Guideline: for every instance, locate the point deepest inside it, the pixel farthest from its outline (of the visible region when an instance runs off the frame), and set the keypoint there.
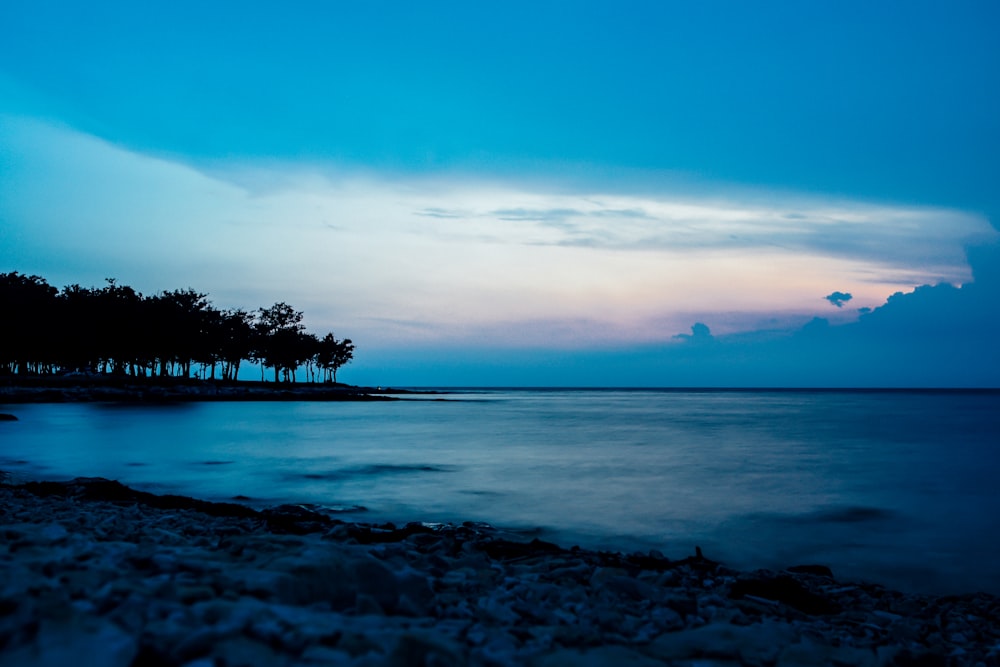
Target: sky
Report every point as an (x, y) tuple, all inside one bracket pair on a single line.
[(530, 194)]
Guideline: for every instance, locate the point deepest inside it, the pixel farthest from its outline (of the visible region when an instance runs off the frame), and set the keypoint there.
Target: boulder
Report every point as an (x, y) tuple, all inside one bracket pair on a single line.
[(818, 570), (785, 589)]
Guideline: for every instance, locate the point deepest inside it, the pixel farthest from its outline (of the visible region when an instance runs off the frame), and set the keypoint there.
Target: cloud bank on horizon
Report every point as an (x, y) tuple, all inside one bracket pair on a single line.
[(720, 209)]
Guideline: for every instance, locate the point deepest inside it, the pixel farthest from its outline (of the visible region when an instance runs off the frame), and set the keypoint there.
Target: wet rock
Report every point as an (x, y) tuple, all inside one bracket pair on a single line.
[(808, 653), (332, 583), (100, 489), (196, 644), (321, 656), (786, 590), (818, 570), (67, 641), (508, 550), (378, 582), (629, 587), (757, 644), (245, 652), (919, 658), (295, 519), (195, 593), (620, 656), (416, 650)]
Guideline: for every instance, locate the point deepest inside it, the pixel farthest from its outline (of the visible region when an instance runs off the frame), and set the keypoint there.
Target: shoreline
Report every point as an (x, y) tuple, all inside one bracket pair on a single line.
[(40, 389), (136, 578)]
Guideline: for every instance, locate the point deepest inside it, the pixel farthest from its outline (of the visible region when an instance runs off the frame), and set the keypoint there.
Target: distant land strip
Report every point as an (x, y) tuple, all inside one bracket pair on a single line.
[(55, 389)]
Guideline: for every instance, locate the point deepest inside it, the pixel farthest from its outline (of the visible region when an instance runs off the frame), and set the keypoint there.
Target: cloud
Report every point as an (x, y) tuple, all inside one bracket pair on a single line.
[(636, 213), (443, 213), (932, 336), (451, 260), (700, 333), (894, 238), (839, 298), (536, 215)]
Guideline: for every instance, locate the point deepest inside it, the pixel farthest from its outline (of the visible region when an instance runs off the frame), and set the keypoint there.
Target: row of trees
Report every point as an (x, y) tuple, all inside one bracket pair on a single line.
[(119, 331)]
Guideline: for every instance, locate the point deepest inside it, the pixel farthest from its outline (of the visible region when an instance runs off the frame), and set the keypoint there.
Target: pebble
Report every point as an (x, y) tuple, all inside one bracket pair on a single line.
[(91, 582)]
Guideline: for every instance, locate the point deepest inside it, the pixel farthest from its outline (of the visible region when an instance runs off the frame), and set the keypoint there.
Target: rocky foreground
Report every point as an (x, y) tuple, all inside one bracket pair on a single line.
[(95, 573)]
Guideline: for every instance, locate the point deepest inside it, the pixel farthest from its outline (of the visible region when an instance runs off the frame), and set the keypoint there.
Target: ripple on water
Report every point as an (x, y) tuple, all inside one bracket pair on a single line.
[(372, 470)]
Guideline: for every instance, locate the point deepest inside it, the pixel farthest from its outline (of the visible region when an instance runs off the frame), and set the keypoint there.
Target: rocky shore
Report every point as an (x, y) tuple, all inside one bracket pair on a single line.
[(95, 573)]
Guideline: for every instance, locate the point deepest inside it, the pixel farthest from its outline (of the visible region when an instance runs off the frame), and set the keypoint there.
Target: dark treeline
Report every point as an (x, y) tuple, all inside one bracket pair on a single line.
[(116, 330)]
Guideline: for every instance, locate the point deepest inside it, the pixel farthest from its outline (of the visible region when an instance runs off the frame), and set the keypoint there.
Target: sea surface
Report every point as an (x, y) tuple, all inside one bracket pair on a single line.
[(897, 488)]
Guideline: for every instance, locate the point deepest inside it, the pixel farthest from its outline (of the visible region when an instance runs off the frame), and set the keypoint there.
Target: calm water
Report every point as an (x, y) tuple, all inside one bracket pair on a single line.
[(897, 488)]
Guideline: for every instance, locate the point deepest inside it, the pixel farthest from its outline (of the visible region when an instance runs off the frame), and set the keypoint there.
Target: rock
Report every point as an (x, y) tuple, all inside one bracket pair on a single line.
[(331, 583), (196, 593), (602, 575), (666, 618), (494, 611), (415, 650), (808, 653), (366, 605), (245, 652), (415, 589), (6, 417), (784, 589), (818, 570), (508, 550), (197, 644), (295, 519), (146, 581), (378, 582), (321, 655), (757, 644), (98, 488), (81, 641), (620, 656), (629, 587), (200, 662), (919, 658)]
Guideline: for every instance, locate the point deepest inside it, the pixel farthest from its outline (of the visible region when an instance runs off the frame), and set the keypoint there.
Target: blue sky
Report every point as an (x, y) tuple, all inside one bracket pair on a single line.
[(532, 193)]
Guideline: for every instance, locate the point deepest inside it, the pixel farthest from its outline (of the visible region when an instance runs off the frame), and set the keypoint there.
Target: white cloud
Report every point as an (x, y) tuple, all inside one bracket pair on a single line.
[(397, 259)]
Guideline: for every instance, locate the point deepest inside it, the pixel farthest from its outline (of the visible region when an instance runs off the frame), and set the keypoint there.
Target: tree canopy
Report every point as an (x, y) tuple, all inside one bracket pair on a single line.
[(116, 330)]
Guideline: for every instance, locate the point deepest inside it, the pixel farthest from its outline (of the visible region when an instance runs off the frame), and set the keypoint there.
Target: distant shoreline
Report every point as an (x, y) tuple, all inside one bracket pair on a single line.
[(77, 389), (722, 390), (18, 389)]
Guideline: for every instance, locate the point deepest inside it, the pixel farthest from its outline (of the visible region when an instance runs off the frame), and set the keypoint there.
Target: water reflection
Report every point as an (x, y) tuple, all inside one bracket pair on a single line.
[(884, 485)]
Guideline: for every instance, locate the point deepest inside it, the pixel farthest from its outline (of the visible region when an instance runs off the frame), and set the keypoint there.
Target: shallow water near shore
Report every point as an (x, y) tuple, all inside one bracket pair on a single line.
[(899, 488)]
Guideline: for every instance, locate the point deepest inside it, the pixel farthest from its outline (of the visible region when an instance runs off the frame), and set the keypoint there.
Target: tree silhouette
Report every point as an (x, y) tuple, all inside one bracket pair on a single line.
[(27, 304), (332, 355), (190, 315), (78, 331), (119, 320), (278, 328), (236, 341), (116, 330)]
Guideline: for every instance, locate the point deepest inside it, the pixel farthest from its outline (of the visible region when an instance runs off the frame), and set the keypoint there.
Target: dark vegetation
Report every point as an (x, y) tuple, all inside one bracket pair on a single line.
[(116, 331)]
